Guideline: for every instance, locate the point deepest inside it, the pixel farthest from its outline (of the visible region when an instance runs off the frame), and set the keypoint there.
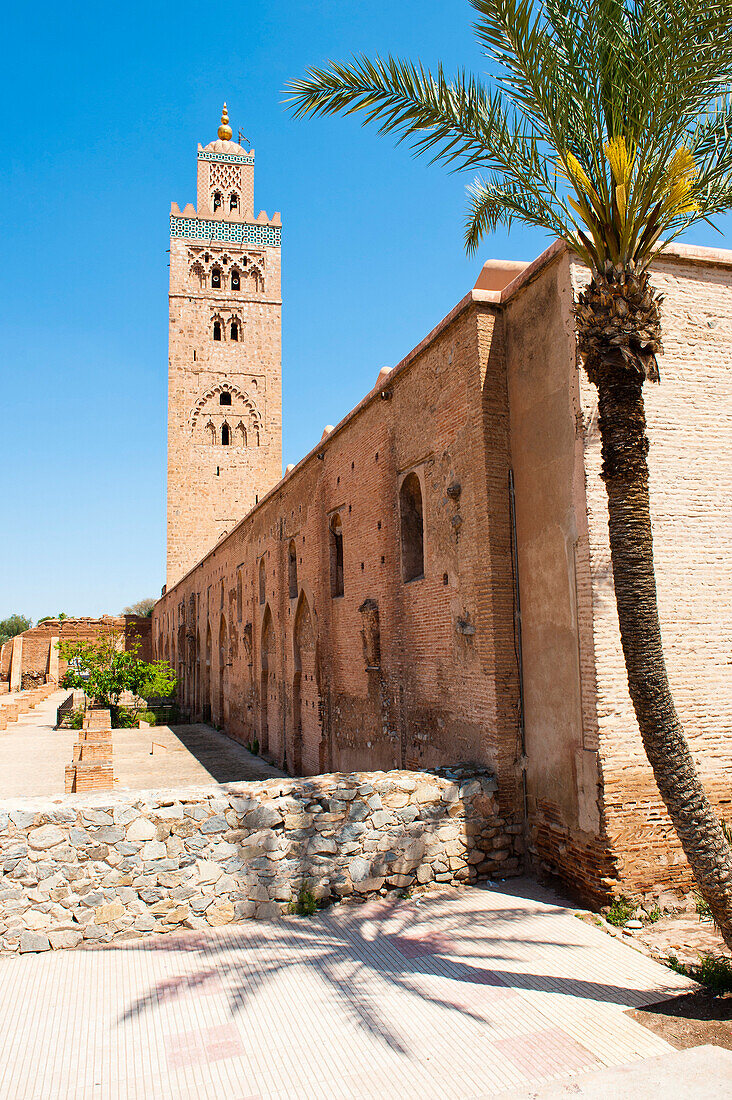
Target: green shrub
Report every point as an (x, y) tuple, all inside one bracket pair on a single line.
[(124, 719), (253, 747), (304, 903), (714, 972), (75, 719), (620, 912), (147, 716)]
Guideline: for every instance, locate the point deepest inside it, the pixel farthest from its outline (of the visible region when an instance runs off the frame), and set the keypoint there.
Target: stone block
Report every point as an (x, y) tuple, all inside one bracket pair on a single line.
[(64, 938), (141, 829), (34, 941)]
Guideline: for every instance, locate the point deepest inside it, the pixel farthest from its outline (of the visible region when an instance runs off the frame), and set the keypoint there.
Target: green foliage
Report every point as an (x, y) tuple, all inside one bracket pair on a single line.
[(46, 618), (702, 908), (142, 607), (620, 912), (253, 746), (103, 670), (712, 971), (608, 123), (304, 903), (14, 624), (653, 915)]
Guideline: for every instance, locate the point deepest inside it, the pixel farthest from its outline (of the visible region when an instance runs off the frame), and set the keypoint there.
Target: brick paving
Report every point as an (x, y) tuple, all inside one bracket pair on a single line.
[(461, 994)]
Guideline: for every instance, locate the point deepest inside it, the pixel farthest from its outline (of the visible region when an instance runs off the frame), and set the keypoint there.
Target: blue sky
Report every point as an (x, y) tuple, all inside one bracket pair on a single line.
[(104, 107)]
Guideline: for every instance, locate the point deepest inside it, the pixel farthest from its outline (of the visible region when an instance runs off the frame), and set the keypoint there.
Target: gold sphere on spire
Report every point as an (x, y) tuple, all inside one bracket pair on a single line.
[(225, 130)]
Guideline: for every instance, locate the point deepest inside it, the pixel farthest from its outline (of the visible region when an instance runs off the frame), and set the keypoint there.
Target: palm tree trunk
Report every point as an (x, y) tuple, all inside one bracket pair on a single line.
[(625, 473)]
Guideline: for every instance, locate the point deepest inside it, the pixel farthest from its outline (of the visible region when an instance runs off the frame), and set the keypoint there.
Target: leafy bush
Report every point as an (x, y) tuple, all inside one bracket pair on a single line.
[(103, 669), (124, 718), (253, 747), (304, 903), (620, 912), (75, 719), (712, 971), (14, 624)]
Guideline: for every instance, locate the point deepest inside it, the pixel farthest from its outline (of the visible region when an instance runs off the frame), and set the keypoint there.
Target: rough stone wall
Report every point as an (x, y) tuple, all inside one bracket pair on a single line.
[(211, 485), (690, 429), (393, 673), (151, 862)]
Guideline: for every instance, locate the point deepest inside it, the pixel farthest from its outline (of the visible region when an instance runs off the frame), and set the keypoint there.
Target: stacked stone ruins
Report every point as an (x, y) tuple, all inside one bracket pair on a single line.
[(431, 584)]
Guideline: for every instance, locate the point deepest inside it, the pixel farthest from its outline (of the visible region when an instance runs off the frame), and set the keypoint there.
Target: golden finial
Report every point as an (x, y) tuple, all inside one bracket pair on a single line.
[(225, 130)]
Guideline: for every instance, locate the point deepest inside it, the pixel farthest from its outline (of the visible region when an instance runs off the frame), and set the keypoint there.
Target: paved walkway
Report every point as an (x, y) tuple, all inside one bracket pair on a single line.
[(461, 995), (33, 756)]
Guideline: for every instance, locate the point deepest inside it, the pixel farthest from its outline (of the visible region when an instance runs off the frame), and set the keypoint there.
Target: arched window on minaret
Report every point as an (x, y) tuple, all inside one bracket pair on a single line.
[(241, 432), (235, 280), (234, 331), (217, 330), (216, 278), (225, 435), (233, 201), (225, 398), (217, 200)]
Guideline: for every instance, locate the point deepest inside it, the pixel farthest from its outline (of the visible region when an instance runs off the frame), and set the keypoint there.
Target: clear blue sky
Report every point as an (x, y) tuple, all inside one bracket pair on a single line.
[(103, 110)]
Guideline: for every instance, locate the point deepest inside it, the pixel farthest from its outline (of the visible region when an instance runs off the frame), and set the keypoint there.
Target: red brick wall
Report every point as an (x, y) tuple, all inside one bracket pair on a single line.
[(412, 674)]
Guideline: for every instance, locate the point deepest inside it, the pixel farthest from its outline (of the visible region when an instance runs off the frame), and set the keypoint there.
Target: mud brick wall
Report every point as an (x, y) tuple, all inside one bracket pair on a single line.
[(92, 868), (393, 673)]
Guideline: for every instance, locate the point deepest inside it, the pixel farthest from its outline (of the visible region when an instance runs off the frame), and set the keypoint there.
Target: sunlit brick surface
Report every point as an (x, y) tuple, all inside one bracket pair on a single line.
[(507, 990)]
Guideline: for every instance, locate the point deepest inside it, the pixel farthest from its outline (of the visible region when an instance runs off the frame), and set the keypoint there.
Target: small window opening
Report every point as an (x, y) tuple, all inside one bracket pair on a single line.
[(233, 201), (225, 435), (224, 398), (217, 330), (194, 355), (216, 279), (238, 596), (336, 556), (292, 570), (217, 200), (217, 471), (235, 281), (412, 524), (262, 582), (234, 331)]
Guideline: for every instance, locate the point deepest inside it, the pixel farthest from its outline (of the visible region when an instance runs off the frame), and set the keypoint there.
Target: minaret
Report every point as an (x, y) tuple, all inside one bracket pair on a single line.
[(225, 373)]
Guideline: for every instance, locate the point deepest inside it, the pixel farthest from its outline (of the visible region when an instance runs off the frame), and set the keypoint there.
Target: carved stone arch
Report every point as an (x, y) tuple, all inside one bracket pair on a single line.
[(253, 278), (197, 272), (308, 743), (267, 689), (240, 434), (213, 392)]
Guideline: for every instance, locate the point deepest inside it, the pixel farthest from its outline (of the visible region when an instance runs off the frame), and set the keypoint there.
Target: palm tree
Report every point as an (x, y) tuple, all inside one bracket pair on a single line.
[(608, 124)]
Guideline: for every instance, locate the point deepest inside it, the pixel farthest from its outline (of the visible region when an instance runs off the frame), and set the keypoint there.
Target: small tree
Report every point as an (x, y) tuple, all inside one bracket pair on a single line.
[(14, 624), (144, 608), (103, 670)]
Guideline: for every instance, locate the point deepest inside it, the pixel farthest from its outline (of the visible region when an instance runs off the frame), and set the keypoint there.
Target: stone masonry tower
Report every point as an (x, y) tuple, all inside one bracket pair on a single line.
[(225, 374)]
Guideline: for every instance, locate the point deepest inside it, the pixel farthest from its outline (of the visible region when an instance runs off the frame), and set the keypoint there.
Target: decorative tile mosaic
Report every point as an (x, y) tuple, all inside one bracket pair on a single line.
[(226, 158), (200, 229)]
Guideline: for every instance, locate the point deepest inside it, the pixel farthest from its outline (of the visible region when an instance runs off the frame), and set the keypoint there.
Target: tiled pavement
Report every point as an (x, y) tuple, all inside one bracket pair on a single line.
[(33, 755), (464, 994)]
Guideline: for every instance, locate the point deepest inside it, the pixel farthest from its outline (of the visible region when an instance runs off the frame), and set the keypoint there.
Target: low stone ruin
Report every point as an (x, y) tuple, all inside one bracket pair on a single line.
[(99, 867)]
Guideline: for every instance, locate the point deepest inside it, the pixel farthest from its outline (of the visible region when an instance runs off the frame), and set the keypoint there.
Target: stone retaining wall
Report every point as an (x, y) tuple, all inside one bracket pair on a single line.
[(97, 867)]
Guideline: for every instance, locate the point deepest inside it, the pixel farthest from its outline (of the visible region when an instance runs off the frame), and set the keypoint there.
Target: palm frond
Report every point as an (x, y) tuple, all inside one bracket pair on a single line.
[(575, 85)]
